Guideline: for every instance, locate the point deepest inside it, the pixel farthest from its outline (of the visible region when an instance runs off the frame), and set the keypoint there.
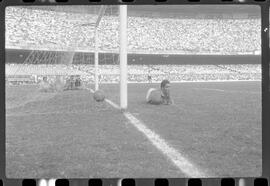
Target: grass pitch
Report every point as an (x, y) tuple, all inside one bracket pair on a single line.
[(216, 125)]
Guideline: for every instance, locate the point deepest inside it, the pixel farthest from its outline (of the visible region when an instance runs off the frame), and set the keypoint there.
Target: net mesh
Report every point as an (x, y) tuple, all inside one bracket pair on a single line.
[(71, 51)]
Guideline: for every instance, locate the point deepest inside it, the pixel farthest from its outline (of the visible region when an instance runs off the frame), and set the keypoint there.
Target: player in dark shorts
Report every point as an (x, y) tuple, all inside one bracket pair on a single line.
[(165, 92), (161, 96), (78, 82), (149, 79)]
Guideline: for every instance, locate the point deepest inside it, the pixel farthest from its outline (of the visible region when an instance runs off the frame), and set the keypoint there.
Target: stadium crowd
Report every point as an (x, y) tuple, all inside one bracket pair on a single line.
[(73, 31), (58, 30), (140, 73)]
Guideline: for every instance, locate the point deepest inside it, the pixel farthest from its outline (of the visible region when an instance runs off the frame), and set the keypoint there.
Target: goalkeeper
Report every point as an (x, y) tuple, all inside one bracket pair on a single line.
[(161, 96)]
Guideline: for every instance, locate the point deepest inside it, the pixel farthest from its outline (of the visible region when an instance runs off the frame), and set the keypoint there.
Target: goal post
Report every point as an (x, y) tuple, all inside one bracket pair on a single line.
[(122, 52), (123, 56), (100, 14), (96, 60)]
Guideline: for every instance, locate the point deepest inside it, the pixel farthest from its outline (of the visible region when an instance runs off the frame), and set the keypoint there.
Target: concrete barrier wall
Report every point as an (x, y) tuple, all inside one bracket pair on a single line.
[(19, 56)]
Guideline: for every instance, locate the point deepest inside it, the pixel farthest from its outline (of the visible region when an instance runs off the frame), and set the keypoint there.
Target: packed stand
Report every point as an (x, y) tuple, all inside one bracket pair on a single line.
[(141, 73), (43, 29)]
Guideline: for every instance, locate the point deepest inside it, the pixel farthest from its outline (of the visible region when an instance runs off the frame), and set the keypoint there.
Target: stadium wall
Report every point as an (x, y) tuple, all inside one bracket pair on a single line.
[(19, 56)]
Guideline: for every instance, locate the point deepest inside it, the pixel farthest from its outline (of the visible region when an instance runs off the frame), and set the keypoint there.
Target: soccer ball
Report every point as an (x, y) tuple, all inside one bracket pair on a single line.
[(99, 96), (154, 96)]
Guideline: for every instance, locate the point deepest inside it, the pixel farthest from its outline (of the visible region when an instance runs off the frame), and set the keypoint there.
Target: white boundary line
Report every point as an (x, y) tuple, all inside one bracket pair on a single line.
[(158, 82), (176, 157), (108, 101), (182, 163), (228, 91), (213, 89), (112, 104)]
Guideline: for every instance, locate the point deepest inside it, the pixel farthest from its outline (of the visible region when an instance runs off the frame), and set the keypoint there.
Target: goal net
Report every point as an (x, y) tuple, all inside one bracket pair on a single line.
[(62, 42)]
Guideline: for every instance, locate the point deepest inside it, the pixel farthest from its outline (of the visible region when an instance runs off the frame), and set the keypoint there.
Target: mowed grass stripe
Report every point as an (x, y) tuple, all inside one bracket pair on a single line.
[(229, 91), (176, 157), (218, 131), (89, 144)]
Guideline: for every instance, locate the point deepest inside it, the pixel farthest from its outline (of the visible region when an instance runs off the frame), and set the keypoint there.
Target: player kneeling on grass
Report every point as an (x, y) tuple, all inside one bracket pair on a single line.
[(70, 84), (59, 84), (45, 86), (161, 96)]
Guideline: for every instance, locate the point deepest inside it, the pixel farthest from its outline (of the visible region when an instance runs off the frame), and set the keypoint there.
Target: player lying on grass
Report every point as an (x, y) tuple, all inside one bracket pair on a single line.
[(161, 96)]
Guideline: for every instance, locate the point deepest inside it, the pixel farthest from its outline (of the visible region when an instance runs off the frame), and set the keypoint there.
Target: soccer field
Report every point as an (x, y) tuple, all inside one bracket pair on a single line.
[(216, 126)]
